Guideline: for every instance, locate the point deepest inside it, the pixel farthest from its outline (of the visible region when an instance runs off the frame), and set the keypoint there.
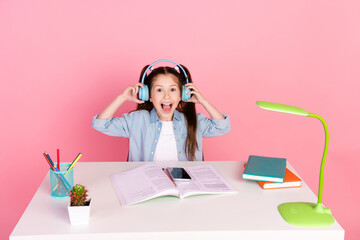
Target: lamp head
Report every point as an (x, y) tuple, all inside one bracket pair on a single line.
[(277, 107)]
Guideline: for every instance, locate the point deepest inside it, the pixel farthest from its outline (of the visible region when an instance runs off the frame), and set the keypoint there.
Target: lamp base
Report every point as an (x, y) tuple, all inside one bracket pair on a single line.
[(306, 214)]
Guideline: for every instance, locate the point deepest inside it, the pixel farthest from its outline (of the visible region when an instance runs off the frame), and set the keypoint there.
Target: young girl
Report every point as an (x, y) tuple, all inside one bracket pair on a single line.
[(164, 128)]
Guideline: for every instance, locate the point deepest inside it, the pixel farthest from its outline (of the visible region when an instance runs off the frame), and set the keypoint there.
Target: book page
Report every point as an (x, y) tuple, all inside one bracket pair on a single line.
[(204, 180), (141, 184)]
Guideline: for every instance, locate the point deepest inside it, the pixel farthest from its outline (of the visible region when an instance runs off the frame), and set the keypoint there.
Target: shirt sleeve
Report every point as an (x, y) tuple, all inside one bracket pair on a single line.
[(213, 127), (116, 126)]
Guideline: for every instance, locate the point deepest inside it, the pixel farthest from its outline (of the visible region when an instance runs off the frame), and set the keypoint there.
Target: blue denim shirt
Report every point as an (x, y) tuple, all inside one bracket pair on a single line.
[(143, 130)]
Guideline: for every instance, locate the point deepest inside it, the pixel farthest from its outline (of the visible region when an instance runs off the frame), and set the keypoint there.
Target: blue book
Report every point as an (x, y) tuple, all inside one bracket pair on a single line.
[(268, 169)]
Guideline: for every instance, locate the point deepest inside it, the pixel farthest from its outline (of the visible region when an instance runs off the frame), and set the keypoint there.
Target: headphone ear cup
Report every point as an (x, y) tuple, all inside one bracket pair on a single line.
[(184, 96), (144, 93)]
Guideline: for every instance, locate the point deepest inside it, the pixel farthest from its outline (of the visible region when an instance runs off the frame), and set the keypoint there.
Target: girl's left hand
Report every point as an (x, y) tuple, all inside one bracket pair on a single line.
[(196, 97)]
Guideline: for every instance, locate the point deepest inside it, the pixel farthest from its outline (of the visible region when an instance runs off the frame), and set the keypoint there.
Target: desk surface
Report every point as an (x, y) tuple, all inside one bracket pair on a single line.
[(250, 214)]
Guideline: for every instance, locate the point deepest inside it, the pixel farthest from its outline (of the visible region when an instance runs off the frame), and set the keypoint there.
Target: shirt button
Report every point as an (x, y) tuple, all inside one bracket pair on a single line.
[(152, 152), (159, 129), (155, 140)]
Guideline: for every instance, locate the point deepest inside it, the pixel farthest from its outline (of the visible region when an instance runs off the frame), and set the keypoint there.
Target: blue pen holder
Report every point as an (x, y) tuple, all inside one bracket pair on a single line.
[(61, 182)]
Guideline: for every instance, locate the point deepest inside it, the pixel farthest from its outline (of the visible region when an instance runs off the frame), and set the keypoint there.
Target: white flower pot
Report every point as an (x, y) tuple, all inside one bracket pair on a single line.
[(79, 214)]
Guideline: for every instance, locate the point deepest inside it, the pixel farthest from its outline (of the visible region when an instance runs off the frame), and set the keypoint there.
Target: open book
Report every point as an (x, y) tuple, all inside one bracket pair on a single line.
[(150, 181)]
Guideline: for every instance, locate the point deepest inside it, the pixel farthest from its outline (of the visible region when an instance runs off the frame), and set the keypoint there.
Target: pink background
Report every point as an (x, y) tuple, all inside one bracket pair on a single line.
[(62, 62)]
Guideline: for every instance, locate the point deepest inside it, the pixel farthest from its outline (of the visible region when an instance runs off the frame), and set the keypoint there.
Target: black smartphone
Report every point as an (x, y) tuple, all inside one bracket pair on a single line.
[(178, 174)]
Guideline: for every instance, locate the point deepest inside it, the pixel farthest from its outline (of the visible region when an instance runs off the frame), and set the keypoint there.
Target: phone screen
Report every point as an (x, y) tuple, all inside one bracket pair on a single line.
[(179, 174)]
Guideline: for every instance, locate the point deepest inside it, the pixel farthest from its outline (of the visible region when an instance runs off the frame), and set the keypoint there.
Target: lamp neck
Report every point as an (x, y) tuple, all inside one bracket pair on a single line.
[(321, 178)]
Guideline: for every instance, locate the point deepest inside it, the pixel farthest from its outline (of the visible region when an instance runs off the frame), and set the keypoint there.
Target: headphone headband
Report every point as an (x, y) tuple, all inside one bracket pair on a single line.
[(144, 92), (164, 60)]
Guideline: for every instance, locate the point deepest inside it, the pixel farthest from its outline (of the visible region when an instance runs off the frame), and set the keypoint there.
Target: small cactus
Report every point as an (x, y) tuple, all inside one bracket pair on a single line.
[(78, 195)]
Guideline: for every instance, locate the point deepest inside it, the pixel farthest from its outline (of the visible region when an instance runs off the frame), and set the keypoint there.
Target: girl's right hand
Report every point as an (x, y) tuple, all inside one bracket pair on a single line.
[(131, 93)]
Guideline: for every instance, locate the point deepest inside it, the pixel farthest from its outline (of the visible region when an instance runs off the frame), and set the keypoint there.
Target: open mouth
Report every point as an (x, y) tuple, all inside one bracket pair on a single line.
[(166, 107)]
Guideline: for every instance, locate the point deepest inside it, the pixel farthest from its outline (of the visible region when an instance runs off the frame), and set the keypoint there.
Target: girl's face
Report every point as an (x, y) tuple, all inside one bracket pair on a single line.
[(165, 95)]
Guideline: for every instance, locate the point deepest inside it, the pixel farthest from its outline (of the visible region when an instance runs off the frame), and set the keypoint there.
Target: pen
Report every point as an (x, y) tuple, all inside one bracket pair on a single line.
[(73, 163)]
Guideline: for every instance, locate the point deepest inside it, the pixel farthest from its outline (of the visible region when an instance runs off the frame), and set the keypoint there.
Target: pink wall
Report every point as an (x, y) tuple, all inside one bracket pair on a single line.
[(61, 62)]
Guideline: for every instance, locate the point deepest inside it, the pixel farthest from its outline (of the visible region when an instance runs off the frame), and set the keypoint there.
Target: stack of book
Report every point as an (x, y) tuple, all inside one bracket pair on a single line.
[(270, 173)]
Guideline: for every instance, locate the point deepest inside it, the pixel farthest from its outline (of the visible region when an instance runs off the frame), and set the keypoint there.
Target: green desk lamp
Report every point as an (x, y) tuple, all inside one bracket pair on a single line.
[(304, 214)]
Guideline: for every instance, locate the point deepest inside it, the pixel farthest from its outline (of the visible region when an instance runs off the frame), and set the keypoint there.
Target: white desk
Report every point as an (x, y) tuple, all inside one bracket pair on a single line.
[(250, 214)]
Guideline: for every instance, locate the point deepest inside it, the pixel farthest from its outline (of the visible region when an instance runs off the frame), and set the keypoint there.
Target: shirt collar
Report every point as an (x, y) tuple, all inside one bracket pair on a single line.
[(154, 117)]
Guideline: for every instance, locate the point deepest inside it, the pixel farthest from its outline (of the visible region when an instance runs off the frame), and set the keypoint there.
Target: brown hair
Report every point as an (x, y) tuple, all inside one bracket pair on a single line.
[(187, 108)]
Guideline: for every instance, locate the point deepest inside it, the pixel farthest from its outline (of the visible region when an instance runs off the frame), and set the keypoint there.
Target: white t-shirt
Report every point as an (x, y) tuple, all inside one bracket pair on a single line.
[(166, 149)]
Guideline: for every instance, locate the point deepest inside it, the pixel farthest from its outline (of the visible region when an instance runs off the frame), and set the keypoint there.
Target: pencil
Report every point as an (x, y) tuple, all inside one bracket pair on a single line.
[(58, 164), (73, 163), (58, 158), (48, 156), (168, 174), (48, 161)]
